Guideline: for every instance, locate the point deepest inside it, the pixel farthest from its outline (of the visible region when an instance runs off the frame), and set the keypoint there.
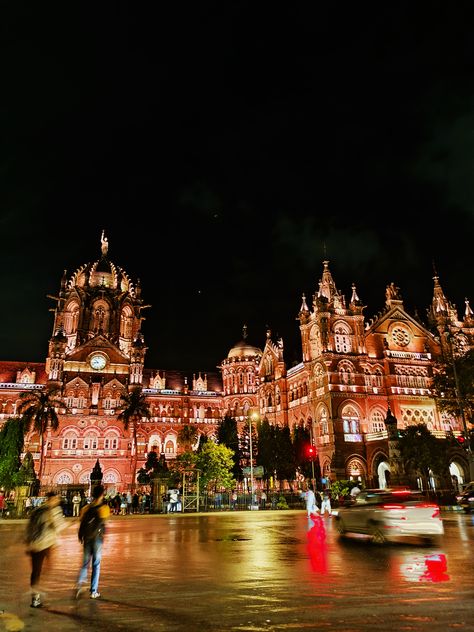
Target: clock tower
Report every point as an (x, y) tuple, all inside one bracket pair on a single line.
[(97, 322)]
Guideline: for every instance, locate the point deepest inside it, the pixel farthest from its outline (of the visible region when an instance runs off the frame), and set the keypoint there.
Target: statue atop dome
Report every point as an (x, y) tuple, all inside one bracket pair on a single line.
[(104, 244)]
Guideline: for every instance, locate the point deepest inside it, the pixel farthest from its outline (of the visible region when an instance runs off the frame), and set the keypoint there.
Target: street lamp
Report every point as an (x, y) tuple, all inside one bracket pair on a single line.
[(252, 416)]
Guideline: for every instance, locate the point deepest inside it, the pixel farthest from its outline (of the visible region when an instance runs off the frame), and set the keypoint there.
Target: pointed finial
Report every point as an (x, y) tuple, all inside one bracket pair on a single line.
[(244, 332), (304, 307), (104, 244), (435, 272), (468, 313), (354, 298)]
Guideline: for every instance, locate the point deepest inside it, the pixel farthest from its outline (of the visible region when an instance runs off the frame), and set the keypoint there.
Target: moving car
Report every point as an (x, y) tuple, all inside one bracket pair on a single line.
[(390, 515), (466, 500)]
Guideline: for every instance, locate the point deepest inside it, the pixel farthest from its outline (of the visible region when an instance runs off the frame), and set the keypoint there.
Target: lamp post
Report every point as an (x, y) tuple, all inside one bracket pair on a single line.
[(252, 416)]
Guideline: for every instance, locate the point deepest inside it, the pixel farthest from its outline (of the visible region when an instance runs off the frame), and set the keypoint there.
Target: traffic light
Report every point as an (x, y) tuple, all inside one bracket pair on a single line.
[(311, 452)]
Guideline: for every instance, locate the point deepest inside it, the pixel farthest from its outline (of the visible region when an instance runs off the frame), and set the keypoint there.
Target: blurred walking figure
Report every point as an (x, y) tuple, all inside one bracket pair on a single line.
[(44, 524), (326, 502), (310, 499), (91, 534)]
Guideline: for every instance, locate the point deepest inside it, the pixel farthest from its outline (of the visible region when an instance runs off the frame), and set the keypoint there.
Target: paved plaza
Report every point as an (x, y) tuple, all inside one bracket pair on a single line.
[(244, 571)]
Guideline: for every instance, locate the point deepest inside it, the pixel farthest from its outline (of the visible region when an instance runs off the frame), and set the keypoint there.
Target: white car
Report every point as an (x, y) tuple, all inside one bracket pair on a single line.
[(390, 514)]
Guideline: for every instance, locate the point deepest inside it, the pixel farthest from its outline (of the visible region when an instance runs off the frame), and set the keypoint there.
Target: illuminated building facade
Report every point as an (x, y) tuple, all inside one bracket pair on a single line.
[(351, 373)]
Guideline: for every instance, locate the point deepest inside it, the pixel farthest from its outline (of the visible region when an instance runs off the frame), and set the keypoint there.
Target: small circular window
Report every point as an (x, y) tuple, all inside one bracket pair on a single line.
[(400, 336)]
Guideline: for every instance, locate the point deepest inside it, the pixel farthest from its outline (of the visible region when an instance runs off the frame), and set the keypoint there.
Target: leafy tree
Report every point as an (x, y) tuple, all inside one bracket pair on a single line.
[(228, 435), (455, 399), (184, 462), (215, 463), (133, 408), (38, 409), (12, 437), (421, 453), (153, 466)]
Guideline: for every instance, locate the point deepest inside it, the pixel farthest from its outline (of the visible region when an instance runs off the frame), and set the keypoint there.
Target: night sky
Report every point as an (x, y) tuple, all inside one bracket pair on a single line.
[(227, 149)]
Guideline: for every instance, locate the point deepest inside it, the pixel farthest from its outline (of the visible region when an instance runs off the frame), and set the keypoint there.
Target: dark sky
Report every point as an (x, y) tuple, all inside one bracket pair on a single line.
[(225, 148)]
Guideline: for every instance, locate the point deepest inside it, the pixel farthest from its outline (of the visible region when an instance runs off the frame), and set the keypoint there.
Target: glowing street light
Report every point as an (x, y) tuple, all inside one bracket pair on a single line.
[(252, 417)]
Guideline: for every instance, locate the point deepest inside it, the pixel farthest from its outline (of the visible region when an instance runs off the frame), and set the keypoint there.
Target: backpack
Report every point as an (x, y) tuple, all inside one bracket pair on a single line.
[(36, 525), (92, 525)]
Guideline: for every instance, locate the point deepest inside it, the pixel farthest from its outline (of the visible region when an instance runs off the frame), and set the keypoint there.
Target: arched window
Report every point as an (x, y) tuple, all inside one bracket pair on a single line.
[(126, 322), (90, 441), (346, 373), (70, 441), (342, 338), (111, 442), (350, 420), (323, 422), (377, 423), (169, 447)]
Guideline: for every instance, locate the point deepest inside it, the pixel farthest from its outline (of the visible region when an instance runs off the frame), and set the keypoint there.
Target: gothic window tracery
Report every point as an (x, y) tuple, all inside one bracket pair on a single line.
[(100, 317), (70, 441), (377, 421), (90, 441), (350, 420), (342, 338), (71, 317), (346, 373)]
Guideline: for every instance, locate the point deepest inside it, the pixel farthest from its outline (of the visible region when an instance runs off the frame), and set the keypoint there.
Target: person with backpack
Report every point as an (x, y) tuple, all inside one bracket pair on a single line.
[(44, 524), (91, 533)]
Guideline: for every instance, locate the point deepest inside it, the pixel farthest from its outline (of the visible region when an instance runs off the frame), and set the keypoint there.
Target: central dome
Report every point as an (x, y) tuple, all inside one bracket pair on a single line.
[(243, 350)]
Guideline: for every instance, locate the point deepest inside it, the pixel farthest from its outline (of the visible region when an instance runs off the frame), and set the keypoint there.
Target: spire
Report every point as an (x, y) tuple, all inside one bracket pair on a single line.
[(354, 297), (439, 303), (104, 244), (304, 306), (468, 314), (327, 287)]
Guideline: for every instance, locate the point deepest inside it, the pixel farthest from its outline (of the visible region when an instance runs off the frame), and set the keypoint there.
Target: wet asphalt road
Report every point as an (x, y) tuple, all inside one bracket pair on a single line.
[(245, 571)]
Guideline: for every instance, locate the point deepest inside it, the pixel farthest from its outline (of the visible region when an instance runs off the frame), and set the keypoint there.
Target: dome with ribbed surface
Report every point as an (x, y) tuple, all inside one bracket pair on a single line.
[(243, 349)]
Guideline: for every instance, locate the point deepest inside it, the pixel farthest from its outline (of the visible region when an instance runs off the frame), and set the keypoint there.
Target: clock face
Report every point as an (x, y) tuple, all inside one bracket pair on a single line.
[(97, 361)]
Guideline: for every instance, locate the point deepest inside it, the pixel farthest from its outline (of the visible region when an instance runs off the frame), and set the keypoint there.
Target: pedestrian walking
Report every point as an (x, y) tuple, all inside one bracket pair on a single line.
[(44, 524), (91, 534), (263, 499), (310, 500), (326, 502), (76, 504)]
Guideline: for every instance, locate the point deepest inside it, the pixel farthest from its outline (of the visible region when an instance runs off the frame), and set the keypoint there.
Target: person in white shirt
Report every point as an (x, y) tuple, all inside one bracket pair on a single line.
[(310, 499)]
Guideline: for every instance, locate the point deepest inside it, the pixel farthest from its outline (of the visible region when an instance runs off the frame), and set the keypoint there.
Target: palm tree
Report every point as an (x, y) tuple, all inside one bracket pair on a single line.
[(134, 408), (38, 410)]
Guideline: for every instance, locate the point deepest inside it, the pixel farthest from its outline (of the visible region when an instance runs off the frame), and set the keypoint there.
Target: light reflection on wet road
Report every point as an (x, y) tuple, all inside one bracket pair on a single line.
[(273, 570)]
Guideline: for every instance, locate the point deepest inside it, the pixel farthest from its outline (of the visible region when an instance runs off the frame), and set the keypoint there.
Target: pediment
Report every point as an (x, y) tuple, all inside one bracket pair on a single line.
[(385, 321), (98, 343), (76, 382)]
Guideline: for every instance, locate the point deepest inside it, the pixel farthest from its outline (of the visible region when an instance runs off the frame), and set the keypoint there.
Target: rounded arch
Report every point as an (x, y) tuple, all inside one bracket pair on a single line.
[(111, 476), (376, 419), (85, 477), (63, 477), (458, 474), (356, 468), (71, 316), (154, 441)]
